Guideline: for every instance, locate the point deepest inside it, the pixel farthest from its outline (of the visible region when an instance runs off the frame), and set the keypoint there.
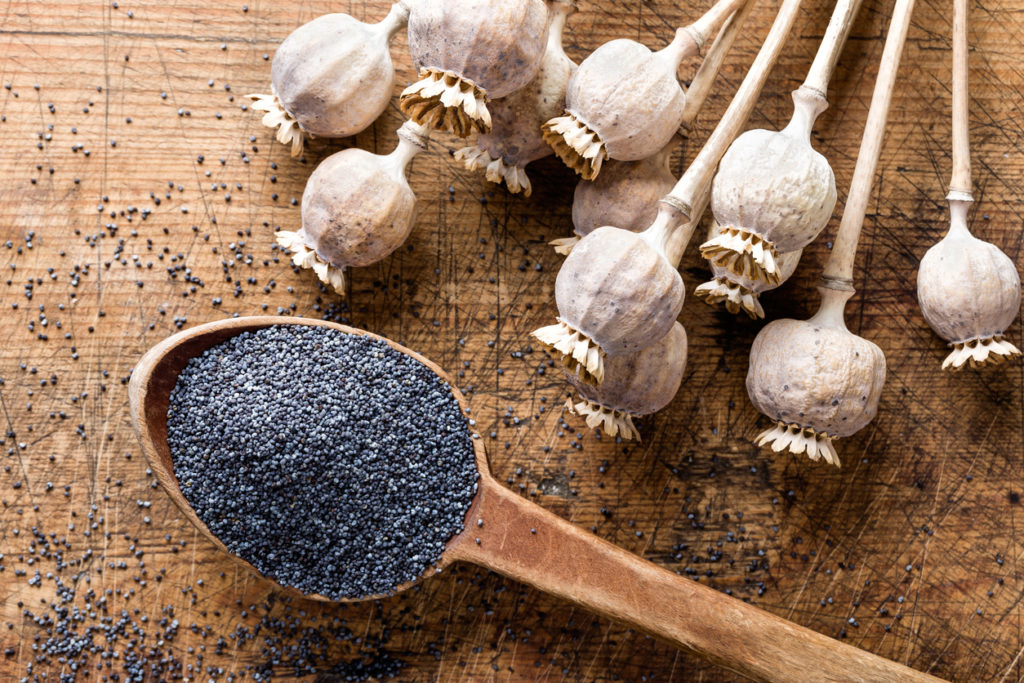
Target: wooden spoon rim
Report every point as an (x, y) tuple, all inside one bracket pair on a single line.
[(159, 368)]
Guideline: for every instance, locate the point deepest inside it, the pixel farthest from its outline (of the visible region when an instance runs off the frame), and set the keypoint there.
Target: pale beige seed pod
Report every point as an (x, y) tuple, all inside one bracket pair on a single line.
[(772, 194), (625, 101), (515, 138), (331, 77), (356, 209), (969, 292), (816, 379), (601, 315), (468, 52), (635, 384), (739, 292), (625, 195)]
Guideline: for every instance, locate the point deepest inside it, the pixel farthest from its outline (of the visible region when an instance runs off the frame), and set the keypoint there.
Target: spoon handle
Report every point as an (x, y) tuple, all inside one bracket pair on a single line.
[(524, 542)]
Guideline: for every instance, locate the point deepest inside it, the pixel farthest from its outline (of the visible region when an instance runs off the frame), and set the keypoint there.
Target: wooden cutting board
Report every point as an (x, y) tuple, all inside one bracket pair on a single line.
[(139, 194)]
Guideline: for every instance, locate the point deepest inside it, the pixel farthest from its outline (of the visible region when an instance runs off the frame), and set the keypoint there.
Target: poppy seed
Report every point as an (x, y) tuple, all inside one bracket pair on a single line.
[(330, 461)]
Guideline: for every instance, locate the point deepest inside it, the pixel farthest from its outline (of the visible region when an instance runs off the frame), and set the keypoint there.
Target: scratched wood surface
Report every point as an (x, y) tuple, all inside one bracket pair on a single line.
[(139, 195)]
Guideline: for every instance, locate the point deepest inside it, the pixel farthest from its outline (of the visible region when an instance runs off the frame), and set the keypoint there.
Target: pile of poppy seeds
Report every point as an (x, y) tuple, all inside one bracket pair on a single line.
[(332, 462)]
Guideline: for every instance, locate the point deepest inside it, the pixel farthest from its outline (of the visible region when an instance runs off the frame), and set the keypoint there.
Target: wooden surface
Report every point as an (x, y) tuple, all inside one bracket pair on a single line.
[(909, 551)]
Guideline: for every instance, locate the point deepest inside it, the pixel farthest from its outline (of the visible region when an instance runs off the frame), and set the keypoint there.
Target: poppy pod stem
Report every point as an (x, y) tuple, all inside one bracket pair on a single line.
[(412, 139), (703, 27), (706, 74), (824, 64), (839, 267), (960, 187), (397, 18)]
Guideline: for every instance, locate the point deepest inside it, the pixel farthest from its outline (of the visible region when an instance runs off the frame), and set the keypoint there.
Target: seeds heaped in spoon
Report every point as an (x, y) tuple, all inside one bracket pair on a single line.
[(356, 209), (508, 534), (619, 291), (331, 77), (468, 52), (515, 138), (968, 289), (815, 378), (773, 192), (625, 101)]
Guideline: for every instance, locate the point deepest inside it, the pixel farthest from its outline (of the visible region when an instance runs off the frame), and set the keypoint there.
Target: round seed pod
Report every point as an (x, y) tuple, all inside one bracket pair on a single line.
[(816, 379), (467, 52), (356, 209), (515, 138), (969, 292), (624, 102), (625, 195), (635, 384), (739, 292), (773, 193), (331, 77), (616, 294)]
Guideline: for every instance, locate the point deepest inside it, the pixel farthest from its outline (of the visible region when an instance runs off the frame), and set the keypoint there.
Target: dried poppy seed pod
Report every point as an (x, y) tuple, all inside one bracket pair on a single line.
[(625, 195), (969, 292), (616, 294), (356, 209), (515, 138), (739, 292), (816, 379), (624, 102), (635, 384), (773, 193), (331, 77), (469, 51)]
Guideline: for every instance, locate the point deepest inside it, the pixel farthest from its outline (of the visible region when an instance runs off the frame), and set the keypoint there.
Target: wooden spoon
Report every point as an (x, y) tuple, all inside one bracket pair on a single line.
[(527, 543)]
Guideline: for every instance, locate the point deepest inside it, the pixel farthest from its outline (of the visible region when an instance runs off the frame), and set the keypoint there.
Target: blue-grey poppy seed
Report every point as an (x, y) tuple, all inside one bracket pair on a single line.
[(331, 462)]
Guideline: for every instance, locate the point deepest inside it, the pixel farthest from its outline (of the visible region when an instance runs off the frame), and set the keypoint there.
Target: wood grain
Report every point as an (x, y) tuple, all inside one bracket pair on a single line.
[(909, 551)]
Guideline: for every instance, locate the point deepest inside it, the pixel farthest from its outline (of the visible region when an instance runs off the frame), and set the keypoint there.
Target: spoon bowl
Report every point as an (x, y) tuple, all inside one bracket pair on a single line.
[(525, 542), (149, 390)]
